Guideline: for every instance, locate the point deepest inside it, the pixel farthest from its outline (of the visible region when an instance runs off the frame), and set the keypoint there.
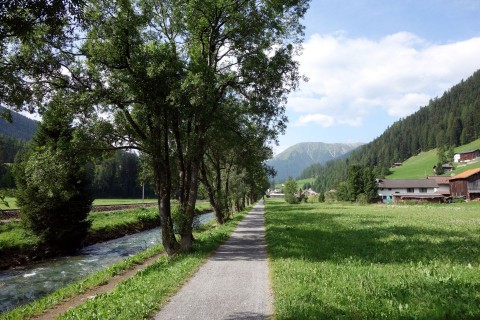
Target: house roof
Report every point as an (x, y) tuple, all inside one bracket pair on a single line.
[(419, 196), (440, 179), (469, 151), (407, 183), (466, 174)]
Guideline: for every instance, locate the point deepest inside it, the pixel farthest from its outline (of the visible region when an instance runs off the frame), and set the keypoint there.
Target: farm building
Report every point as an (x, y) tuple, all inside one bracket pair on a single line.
[(443, 185), (398, 190), (466, 184), (466, 155)]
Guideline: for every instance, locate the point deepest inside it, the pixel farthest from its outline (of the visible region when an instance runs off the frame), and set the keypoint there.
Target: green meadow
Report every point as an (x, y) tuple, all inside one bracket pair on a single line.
[(421, 165), (343, 261)]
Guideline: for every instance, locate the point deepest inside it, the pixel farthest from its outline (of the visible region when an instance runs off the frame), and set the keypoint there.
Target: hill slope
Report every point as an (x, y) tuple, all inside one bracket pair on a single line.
[(21, 127), (419, 166), (295, 159), (451, 120)]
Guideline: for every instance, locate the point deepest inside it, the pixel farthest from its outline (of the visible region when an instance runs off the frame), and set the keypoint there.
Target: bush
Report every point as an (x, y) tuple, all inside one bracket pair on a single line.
[(362, 198)]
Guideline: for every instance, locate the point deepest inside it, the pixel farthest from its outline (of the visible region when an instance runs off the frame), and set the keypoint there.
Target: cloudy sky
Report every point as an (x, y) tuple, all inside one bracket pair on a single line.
[(372, 62)]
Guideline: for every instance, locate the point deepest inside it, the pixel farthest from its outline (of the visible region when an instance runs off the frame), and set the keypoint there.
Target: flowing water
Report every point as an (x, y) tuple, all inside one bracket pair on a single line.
[(23, 285)]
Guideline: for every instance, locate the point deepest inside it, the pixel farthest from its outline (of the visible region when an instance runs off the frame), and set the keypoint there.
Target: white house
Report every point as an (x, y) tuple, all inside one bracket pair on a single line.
[(397, 190)]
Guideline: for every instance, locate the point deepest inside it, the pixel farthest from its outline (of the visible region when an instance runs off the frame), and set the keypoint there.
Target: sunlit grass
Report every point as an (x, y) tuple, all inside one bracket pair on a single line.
[(11, 204), (374, 262)]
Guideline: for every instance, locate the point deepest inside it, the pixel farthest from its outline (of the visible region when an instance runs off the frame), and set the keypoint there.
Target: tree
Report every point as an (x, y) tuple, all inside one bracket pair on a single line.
[(53, 183), (290, 190), (165, 74)]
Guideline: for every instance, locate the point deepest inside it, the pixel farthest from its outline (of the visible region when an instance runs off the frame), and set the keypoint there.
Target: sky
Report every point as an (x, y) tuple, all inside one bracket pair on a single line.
[(370, 63)]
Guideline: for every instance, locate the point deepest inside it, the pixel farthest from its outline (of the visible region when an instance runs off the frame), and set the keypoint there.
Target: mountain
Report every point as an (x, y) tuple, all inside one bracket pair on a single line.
[(21, 127), (292, 161), (447, 121)]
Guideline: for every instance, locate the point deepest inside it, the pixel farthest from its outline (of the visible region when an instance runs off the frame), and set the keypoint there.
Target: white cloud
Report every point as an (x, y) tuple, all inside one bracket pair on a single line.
[(321, 119), (351, 78)]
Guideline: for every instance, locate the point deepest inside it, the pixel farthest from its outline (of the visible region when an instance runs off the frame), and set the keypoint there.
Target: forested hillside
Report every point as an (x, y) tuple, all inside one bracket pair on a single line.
[(450, 120), (21, 127)]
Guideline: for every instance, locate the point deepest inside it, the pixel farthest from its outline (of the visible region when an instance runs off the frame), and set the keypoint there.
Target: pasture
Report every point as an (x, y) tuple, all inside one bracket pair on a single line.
[(344, 261)]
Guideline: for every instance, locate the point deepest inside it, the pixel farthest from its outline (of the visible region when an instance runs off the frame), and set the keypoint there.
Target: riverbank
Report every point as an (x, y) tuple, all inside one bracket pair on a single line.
[(19, 247)]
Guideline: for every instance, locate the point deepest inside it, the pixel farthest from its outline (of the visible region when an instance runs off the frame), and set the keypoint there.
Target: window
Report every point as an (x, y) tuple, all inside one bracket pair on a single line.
[(410, 190), (389, 189), (423, 190)]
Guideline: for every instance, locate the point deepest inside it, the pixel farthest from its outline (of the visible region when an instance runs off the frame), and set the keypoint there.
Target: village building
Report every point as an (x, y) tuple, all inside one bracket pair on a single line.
[(443, 185), (466, 184), (310, 192), (399, 190), (466, 156)]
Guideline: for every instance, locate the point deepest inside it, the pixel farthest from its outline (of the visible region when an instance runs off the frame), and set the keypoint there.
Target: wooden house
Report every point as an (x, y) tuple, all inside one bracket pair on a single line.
[(466, 155), (466, 184)]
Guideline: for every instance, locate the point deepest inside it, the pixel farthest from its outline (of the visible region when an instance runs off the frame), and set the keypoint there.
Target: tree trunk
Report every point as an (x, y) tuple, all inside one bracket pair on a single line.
[(164, 195), (186, 229)]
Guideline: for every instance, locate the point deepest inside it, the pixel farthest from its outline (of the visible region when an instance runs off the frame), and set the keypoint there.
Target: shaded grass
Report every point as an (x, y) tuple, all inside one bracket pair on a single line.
[(374, 262)]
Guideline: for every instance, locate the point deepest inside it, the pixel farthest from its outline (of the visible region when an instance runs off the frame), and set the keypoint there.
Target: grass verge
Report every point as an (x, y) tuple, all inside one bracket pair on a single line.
[(374, 262), (136, 297)]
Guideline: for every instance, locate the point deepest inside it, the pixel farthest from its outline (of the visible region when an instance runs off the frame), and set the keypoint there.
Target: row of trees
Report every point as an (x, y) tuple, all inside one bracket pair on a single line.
[(198, 88), (117, 175), (446, 122)]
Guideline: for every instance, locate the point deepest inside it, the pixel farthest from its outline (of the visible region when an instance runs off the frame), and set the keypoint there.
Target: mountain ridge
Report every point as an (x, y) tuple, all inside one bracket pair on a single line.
[(294, 159), (21, 127)]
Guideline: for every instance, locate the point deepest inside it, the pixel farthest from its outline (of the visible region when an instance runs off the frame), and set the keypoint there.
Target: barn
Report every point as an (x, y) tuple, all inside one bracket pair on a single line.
[(466, 184)]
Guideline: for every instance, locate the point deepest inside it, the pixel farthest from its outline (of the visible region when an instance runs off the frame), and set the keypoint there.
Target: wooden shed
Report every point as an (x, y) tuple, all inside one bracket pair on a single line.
[(466, 184), (467, 155)]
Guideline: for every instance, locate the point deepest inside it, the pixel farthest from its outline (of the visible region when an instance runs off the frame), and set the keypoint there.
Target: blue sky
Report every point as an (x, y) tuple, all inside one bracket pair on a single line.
[(372, 62)]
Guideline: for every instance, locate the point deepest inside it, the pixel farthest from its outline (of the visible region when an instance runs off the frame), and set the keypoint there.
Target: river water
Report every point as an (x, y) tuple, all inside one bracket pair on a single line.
[(22, 285)]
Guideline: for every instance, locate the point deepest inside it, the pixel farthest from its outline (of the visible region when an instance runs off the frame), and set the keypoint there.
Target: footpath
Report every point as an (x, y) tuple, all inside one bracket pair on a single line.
[(233, 283)]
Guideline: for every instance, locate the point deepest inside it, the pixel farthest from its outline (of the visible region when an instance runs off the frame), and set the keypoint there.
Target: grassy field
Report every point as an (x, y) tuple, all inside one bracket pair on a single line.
[(11, 204), (374, 262), (421, 165)]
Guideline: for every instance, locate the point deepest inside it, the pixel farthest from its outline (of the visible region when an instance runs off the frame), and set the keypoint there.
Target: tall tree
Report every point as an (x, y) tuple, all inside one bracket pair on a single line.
[(53, 183)]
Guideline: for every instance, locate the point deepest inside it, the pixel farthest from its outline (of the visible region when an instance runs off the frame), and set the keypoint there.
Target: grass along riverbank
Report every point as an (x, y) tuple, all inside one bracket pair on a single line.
[(374, 262), (141, 295)]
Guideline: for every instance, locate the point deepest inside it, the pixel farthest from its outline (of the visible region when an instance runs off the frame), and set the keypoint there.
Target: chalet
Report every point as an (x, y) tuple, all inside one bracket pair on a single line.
[(466, 184), (466, 155), (399, 190)]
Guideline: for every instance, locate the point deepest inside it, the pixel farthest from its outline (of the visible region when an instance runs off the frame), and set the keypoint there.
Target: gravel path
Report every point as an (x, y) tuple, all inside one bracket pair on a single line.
[(234, 283)]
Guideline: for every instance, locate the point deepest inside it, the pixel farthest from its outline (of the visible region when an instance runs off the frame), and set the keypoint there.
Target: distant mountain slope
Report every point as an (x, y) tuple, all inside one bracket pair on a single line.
[(293, 160), (21, 127)]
